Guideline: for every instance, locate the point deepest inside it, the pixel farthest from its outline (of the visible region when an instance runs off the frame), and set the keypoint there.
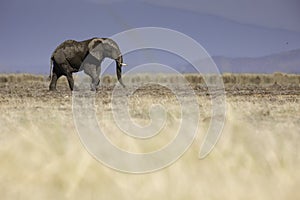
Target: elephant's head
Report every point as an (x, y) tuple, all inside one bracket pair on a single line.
[(105, 47)]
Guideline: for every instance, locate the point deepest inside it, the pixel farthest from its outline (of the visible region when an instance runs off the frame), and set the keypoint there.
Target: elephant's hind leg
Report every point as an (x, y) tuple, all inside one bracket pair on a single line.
[(55, 77)]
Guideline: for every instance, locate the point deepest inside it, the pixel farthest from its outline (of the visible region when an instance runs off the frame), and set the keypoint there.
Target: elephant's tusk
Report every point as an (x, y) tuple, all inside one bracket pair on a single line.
[(123, 64)]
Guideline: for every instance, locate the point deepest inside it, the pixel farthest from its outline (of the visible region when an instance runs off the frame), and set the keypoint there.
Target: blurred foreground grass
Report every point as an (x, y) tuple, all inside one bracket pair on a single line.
[(41, 156)]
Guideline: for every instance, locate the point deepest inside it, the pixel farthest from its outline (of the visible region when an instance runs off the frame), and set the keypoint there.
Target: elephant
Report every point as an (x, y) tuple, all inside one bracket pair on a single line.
[(73, 56)]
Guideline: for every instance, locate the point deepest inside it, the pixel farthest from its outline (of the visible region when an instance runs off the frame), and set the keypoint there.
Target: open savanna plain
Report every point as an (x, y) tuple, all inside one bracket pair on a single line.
[(257, 156)]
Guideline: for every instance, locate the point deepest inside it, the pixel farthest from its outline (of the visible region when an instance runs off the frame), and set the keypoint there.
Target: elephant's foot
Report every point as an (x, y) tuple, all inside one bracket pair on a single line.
[(93, 87), (52, 89)]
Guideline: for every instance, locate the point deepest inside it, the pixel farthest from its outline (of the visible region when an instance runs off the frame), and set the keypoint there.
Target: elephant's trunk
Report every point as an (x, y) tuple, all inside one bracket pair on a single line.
[(51, 67), (119, 64)]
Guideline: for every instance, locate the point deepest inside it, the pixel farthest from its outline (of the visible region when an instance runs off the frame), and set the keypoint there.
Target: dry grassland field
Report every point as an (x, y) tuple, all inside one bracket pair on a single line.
[(257, 156)]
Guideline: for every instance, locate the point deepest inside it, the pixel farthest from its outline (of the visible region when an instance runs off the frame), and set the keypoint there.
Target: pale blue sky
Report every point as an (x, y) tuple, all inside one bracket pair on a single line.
[(31, 29)]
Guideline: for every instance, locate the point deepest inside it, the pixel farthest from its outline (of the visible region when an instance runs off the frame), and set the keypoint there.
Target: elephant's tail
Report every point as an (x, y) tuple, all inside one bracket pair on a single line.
[(51, 67)]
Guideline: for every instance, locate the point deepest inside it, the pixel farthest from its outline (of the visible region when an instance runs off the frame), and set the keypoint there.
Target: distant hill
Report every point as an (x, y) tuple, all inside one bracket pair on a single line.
[(287, 62)]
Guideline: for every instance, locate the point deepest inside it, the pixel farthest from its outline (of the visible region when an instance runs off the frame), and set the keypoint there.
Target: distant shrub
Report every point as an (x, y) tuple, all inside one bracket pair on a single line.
[(20, 77), (255, 79), (193, 79), (229, 78), (3, 79)]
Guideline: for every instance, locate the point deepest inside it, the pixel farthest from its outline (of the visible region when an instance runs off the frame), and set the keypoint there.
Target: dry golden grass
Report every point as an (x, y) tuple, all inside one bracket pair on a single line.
[(257, 157)]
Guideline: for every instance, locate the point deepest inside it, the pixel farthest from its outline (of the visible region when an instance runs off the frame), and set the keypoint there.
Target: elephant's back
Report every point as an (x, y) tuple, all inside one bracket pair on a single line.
[(70, 49), (68, 44)]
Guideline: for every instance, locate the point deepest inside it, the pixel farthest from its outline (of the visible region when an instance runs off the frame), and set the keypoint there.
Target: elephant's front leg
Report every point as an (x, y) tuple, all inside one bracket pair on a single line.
[(91, 70), (70, 81), (98, 71)]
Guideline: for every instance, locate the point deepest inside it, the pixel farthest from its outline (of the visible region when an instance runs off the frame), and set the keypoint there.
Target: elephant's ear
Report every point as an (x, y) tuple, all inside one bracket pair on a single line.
[(96, 48)]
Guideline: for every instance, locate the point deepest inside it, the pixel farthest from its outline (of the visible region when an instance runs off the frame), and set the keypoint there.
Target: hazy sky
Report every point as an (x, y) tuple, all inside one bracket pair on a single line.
[(31, 29)]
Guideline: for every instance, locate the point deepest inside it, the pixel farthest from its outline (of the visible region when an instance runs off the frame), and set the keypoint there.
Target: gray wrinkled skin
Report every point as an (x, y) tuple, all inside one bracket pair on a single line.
[(73, 56)]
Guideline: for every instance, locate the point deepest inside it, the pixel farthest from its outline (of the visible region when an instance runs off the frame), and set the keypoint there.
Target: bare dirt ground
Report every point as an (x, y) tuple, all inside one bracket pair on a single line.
[(257, 157)]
